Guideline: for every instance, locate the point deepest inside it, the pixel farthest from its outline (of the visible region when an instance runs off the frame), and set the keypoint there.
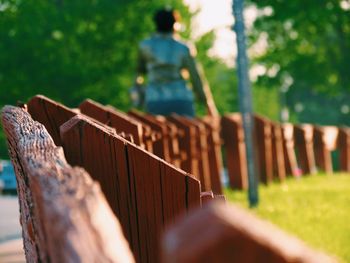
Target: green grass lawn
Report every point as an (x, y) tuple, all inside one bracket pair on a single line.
[(314, 208)]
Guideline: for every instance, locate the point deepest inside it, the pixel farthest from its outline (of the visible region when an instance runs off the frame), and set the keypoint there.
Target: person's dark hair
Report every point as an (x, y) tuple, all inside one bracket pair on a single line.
[(165, 20)]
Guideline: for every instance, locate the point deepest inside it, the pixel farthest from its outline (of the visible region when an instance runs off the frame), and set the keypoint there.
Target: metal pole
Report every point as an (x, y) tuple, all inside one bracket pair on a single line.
[(245, 101)]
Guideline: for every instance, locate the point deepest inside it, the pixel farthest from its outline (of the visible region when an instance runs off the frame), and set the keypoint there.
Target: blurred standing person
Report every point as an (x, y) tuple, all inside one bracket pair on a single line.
[(163, 57)]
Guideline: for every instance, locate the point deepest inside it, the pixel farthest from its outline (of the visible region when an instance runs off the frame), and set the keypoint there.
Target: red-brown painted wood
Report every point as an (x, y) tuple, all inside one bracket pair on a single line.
[(289, 150), (51, 114), (214, 153), (233, 136), (278, 162), (116, 119), (344, 148), (161, 144), (146, 192), (303, 136), (263, 133), (325, 141), (187, 146)]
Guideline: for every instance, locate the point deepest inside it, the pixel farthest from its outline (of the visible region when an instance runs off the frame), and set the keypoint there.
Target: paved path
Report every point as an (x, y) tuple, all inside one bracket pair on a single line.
[(11, 245)]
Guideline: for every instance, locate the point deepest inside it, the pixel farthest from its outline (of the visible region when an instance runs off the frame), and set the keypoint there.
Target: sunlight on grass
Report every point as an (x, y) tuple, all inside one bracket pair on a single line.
[(313, 208)]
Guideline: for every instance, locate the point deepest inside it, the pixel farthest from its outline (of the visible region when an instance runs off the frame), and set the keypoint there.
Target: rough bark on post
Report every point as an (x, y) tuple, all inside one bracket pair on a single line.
[(64, 215)]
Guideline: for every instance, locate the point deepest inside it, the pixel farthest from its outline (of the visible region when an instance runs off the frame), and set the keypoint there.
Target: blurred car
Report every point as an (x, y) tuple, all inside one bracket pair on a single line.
[(8, 182)]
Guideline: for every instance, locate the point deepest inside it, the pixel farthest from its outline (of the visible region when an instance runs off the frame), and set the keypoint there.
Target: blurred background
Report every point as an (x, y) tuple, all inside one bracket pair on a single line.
[(72, 50)]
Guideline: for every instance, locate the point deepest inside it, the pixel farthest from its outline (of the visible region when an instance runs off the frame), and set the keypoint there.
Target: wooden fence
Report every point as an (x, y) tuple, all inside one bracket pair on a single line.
[(145, 192), (194, 145), (283, 149), (63, 213)]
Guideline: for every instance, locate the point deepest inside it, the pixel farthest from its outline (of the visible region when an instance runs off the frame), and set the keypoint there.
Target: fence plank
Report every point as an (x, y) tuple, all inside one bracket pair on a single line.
[(187, 146), (303, 135), (325, 141), (116, 119), (102, 154), (51, 114), (263, 133), (344, 148), (161, 144), (214, 153), (289, 150), (234, 145), (278, 162), (61, 207), (154, 191)]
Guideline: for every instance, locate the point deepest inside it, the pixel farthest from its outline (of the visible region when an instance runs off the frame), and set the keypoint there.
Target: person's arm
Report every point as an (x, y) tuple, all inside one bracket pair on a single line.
[(200, 84)]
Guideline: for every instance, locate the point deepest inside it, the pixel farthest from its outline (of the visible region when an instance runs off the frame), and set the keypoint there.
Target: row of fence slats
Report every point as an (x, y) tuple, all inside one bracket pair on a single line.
[(202, 151), (119, 121), (165, 145), (143, 191), (51, 114), (61, 207), (188, 143), (199, 150), (184, 142), (187, 146), (280, 147), (180, 141), (161, 144), (148, 136)]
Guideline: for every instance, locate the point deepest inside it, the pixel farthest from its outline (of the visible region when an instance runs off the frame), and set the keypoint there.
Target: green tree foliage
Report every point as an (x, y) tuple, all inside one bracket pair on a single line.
[(72, 50), (309, 43), (69, 50)]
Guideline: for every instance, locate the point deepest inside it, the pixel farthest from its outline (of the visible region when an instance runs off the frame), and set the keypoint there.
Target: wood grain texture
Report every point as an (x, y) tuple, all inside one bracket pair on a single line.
[(187, 146), (51, 114), (194, 143), (64, 215), (114, 118), (144, 191), (161, 142)]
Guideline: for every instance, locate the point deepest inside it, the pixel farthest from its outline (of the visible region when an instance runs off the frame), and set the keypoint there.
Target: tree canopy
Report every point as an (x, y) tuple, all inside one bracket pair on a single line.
[(308, 56), (72, 50)]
